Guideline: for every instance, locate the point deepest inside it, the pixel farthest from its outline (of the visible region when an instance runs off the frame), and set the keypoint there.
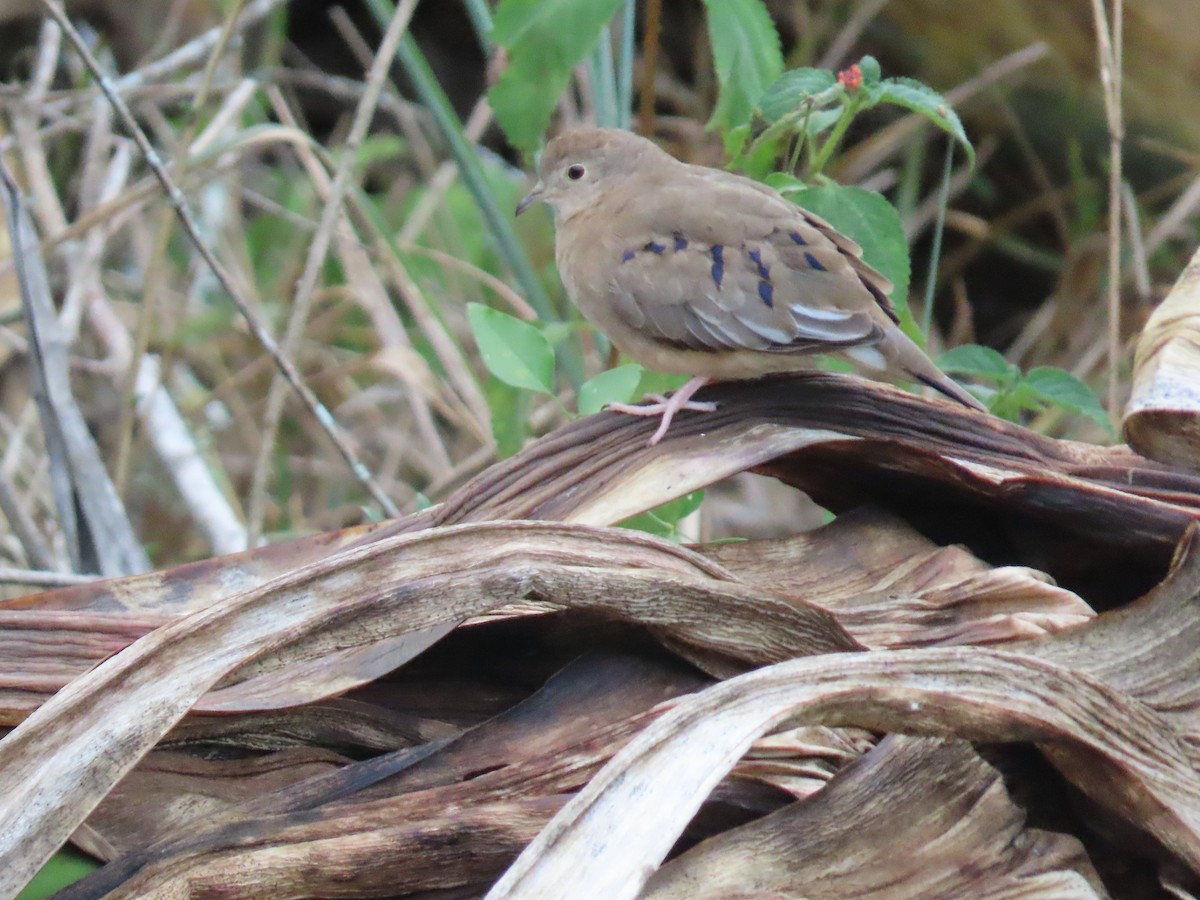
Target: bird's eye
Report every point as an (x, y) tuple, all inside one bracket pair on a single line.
[(575, 172)]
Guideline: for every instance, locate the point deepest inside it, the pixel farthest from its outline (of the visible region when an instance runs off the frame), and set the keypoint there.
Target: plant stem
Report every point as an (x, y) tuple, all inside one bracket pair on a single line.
[(935, 253), (835, 137), (481, 19), (625, 65), (604, 82), (649, 65)]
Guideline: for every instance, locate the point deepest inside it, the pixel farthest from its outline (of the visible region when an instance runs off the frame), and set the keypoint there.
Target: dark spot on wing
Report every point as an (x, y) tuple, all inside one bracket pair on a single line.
[(767, 293), (718, 266), (812, 261), (798, 238), (627, 256), (655, 247), (756, 256), (680, 242)]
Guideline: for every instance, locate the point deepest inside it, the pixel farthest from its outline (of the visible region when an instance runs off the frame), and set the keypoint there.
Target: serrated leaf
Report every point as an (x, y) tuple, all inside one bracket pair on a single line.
[(870, 220), (972, 359), (822, 120), (871, 72), (791, 89), (1065, 390), (617, 385), (924, 100), (747, 57), (514, 351), (545, 40)]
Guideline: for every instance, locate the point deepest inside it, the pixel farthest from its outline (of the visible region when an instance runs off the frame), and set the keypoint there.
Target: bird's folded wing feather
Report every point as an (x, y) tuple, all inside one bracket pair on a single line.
[(717, 264)]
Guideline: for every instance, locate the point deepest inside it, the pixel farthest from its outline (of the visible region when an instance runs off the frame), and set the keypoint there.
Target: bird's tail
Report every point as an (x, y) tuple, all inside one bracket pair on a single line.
[(902, 354), (944, 385)]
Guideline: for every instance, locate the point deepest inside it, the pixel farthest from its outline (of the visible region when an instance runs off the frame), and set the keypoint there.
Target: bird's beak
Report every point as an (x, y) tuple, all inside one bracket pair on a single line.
[(531, 198)]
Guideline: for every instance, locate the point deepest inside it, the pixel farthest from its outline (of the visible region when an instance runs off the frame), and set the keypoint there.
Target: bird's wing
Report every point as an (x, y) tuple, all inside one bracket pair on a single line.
[(716, 263)]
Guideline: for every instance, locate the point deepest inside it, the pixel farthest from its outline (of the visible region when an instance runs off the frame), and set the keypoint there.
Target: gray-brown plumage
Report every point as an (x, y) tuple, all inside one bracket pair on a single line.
[(697, 271)]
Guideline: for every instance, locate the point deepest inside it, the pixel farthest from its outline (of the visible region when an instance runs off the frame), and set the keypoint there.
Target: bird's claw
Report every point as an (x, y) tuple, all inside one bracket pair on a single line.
[(659, 406), (666, 406)]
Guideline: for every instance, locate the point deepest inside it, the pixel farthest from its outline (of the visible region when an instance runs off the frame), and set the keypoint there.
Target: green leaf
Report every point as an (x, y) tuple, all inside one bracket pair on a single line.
[(972, 359), (822, 120), (871, 72), (792, 89), (664, 520), (1065, 390), (514, 351), (379, 148), (617, 385), (545, 40), (747, 57), (659, 383), (922, 99), (65, 867), (786, 183), (759, 158), (870, 220), (509, 408), (557, 332)]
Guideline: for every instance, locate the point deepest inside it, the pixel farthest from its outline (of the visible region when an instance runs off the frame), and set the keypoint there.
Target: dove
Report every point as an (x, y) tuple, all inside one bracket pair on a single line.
[(697, 271)]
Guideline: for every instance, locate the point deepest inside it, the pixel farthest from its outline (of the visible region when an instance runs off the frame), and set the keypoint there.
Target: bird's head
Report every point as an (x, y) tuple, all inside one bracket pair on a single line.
[(579, 166)]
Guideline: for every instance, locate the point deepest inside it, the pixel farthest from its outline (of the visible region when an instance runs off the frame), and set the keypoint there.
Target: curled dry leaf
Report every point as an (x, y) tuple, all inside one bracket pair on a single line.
[(530, 754), (1118, 718), (615, 832), (297, 623), (890, 587), (847, 841), (1162, 419), (403, 584)]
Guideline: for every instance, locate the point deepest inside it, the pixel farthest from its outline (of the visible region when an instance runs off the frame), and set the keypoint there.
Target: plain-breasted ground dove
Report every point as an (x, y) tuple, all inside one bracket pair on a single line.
[(700, 272)]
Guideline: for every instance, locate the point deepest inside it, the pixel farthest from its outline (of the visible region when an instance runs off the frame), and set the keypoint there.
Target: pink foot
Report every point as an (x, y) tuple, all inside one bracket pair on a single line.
[(667, 406)]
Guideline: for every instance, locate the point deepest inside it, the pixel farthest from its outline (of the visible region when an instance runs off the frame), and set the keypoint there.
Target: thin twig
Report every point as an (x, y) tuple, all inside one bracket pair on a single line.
[(938, 230), (198, 49), (364, 285), (187, 219), (445, 176), (1184, 207), (649, 65), (859, 162), (850, 32), (1137, 245), (10, 575), (19, 520), (1109, 41), (90, 511), (156, 269), (471, 407), (625, 63), (318, 250)]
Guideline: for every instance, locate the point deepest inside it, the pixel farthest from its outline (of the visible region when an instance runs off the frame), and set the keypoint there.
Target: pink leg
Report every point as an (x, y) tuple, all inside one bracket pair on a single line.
[(667, 407)]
